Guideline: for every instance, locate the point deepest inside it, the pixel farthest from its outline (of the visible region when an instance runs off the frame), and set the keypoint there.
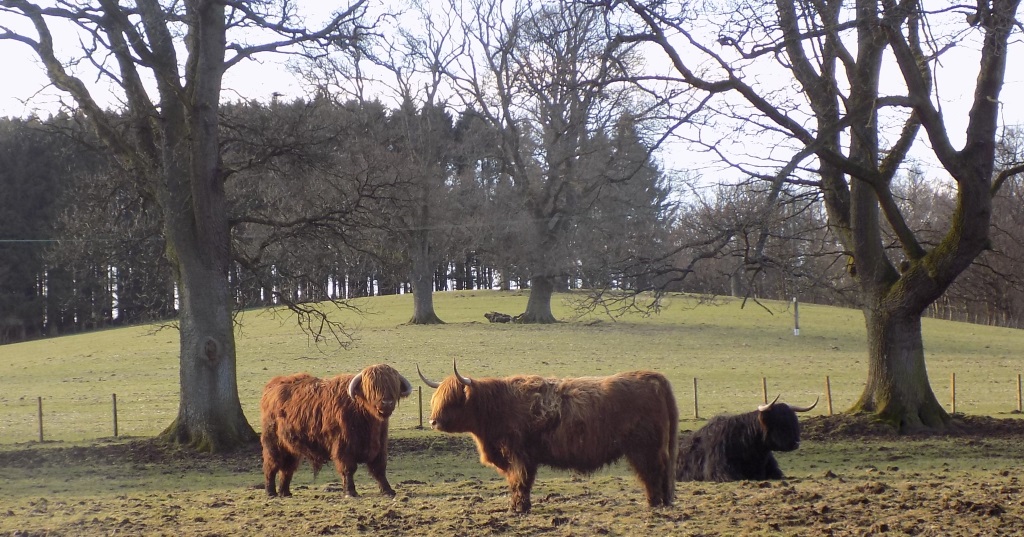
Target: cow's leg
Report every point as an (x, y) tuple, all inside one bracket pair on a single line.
[(346, 468), (771, 467), (378, 470), (270, 468), (270, 477), (668, 484), (520, 480), (288, 464), (665, 471), (272, 456), (652, 475), (719, 468)]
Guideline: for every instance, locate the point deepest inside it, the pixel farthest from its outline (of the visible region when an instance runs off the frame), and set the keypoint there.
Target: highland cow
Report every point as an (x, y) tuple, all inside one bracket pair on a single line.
[(733, 448), (342, 419), (580, 424)]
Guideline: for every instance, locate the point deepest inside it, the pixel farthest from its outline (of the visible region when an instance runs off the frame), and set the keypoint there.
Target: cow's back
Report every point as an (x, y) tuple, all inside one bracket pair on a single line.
[(600, 417), (726, 448)]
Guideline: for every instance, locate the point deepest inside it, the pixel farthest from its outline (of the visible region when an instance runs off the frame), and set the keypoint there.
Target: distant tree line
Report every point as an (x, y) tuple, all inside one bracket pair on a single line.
[(326, 199)]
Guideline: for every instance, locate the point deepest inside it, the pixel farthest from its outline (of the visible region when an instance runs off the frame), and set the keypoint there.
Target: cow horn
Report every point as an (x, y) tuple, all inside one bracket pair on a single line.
[(464, 380), (355, 386), (406, 386), (805, 409), (762, 408), (430, 383)]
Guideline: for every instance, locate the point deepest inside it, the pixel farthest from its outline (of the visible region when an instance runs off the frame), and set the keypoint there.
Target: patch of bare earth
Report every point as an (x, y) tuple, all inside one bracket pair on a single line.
[(859, 427), (881, 499)]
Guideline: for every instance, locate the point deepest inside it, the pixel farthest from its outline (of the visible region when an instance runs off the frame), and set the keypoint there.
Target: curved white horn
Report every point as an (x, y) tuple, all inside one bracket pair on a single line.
[(805, 409), (355, 386), (466, 381), (762, 408), (430, 383)]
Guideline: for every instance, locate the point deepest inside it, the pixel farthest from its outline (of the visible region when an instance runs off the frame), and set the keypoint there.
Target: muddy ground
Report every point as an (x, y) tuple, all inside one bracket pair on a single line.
[(838, 494)]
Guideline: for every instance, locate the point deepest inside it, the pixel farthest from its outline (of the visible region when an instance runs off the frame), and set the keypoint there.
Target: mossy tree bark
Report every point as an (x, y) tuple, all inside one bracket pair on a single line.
[(897, 389), (210, 416)]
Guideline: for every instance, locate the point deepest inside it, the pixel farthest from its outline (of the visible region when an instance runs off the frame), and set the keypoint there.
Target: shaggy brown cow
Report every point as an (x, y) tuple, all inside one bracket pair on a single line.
[(580, 424), (344, 419)]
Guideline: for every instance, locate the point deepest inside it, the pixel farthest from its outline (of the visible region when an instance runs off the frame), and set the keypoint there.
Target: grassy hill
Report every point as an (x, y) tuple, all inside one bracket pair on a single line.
[(842, 480), (727, 346)]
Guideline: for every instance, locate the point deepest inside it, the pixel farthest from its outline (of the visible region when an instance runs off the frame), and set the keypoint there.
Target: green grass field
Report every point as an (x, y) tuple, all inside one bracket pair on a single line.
[(83, 482), (726, 347)]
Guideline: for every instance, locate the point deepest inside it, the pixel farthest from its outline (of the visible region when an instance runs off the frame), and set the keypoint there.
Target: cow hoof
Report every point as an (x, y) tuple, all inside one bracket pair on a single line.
[(520, 508)]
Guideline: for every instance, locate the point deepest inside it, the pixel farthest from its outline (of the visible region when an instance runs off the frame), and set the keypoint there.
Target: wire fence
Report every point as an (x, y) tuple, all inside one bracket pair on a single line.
[(82, 419)]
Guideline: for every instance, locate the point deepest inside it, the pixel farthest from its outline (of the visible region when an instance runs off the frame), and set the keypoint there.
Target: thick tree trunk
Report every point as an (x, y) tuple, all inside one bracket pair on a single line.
[(422, 278), (897, 389), (538, 307), (210, 416), (191, 193), (423, 308)]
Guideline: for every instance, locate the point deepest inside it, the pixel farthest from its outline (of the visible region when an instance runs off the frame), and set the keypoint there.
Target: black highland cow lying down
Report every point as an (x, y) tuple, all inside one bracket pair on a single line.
[(733, 448)]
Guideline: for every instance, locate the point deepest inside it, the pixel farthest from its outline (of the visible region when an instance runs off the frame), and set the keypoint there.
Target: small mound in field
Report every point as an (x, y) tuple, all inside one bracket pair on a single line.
[(141, 451), (863, 426), (989, 427), (844, 427)]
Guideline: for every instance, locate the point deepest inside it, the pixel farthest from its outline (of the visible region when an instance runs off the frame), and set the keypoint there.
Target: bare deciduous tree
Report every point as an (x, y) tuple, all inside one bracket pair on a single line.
[(170, 142), (858, 136), (540, 74)]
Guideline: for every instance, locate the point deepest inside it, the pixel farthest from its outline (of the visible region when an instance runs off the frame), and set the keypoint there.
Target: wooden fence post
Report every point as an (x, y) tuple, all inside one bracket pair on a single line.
[(696, 414), (796, 318), (419, 390), (828, 394), (40, 400), (1019, 399), (115, 414)]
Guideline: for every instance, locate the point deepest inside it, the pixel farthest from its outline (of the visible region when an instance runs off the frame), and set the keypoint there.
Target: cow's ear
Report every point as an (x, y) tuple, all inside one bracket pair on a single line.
[(761, 415)]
